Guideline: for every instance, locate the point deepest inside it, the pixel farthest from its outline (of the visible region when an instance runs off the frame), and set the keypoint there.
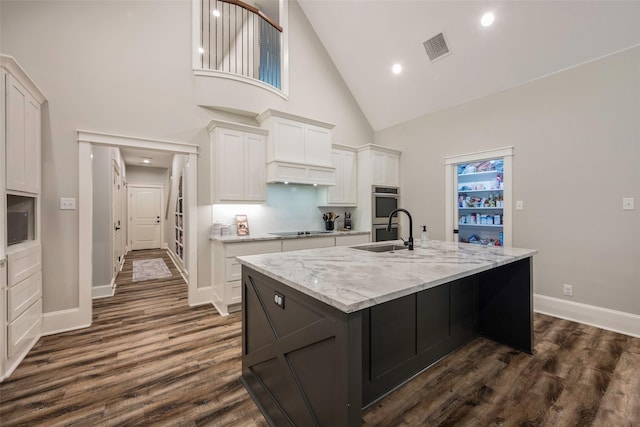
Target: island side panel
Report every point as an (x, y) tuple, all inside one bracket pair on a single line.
[(302, 359), (404, 336), (506, 304)]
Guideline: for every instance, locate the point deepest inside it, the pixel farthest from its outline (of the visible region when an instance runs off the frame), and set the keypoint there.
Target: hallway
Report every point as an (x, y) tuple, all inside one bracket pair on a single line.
[(148, 358)]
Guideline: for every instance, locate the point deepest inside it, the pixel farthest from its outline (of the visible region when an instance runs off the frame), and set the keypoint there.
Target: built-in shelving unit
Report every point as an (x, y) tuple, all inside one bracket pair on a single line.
[(179, 225), (481, 202)]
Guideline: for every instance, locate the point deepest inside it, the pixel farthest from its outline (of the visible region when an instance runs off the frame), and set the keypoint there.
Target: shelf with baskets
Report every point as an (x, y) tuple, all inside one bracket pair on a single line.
[(179, 222)]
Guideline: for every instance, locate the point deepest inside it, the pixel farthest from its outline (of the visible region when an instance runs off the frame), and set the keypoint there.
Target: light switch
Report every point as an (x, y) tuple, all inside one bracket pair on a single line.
[(519, 205), (628, 203), (67, 203)]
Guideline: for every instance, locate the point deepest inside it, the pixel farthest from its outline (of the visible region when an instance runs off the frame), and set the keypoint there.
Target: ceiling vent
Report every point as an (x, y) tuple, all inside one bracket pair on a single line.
[(436, 47)]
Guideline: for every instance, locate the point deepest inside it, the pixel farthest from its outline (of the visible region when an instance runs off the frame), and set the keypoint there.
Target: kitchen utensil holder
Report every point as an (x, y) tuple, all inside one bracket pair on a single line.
[(329, 225)]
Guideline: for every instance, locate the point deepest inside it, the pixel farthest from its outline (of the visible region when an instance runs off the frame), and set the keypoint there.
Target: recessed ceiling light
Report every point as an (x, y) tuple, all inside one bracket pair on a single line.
[(487, 19), (215, 13), (146, 160), (397, 68)]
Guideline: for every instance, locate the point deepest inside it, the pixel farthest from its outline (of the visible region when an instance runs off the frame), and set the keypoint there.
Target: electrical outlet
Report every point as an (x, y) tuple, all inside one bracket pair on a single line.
[(67, 203), (279, 300), (519, 205), (567, 290)]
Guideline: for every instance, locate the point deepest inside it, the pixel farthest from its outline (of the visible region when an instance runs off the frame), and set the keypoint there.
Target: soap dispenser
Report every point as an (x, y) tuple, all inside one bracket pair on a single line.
[(424, 239)]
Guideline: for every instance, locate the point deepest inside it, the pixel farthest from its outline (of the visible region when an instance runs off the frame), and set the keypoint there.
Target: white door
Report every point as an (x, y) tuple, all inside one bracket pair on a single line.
[(145, 207), (116, 214)]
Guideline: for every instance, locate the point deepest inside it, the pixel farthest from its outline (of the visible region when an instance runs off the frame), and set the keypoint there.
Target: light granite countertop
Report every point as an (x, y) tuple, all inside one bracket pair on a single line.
[(268, 236), (351, 279)]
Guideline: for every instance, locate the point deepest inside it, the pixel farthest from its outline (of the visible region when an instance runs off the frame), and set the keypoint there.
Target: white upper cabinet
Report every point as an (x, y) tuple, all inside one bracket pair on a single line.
[(298, 149), (345, 192), (384, 164), (238, 163), (22, 137)]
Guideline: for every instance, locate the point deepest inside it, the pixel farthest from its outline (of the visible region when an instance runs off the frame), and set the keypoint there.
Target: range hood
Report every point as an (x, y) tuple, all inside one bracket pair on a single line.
[(298, 149)]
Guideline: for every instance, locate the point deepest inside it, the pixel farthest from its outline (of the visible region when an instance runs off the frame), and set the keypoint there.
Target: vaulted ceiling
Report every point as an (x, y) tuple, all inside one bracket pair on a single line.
[(528, 40)]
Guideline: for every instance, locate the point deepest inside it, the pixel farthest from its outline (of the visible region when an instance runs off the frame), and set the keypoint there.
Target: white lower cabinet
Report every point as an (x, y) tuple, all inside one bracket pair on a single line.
[(3, 317), (354, 239), (307, 243), (23, 303), (226, 271)]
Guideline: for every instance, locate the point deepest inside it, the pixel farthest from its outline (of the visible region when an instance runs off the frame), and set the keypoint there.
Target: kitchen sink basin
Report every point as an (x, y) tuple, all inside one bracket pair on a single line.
[(380, 248)]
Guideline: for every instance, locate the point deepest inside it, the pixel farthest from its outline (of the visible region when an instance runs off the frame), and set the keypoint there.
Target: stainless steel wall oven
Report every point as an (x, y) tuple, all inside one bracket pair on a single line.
[(384, 201)]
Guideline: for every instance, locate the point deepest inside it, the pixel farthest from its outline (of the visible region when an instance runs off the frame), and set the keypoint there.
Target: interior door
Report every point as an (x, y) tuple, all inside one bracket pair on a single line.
[(145, 206), (116, 215)]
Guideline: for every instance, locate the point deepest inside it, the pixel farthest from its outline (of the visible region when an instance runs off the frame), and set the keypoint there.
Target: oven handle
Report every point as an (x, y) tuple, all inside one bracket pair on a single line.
[(379, 226), (387, 195)]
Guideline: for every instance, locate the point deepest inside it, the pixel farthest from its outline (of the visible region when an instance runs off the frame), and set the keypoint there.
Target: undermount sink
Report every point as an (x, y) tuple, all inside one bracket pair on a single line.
[(380, 248)]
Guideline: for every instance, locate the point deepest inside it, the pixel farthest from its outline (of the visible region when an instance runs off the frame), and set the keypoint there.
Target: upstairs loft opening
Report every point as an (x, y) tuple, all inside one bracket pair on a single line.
[(241, 40)]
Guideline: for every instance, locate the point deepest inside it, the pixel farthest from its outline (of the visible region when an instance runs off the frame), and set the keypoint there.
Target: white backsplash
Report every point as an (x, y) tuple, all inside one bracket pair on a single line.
[(288, 208)]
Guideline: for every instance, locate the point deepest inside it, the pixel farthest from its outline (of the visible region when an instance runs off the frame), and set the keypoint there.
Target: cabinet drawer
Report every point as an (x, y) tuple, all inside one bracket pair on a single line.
[(24, 294), (234, 292), (252, 248), (22, 264), (307, 243), (233, 270), (352, 240), (24, 330)]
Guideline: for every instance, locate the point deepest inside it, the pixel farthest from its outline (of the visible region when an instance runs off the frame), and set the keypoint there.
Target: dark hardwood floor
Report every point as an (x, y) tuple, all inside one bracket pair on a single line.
[(149, 359)]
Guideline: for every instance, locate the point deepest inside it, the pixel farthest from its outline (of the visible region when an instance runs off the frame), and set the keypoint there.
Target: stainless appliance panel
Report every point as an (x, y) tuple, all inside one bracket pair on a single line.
[(384, 200), (380, 233)]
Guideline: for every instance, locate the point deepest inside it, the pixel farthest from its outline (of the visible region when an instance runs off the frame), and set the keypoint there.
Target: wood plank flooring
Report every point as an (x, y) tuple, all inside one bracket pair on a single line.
[(149, 359)]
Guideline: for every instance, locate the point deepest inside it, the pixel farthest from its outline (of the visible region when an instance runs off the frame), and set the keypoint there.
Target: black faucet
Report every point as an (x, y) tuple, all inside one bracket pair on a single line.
[(409, 242)]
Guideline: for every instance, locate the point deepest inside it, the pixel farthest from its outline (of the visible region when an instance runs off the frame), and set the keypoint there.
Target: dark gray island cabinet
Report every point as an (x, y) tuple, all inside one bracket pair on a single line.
[(327, 332)]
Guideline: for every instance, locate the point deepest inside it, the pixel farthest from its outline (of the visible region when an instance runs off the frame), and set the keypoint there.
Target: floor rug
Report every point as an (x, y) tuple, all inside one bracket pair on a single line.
[(149, 269)]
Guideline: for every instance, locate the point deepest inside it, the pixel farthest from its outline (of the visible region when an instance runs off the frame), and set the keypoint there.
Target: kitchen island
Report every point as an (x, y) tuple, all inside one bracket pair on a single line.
[(327, 332)]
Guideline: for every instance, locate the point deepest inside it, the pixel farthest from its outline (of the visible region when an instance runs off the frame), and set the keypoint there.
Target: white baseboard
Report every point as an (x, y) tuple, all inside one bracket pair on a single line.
[(202, 296), (165, 246), (63, 321), (604, 318), (103, 291)]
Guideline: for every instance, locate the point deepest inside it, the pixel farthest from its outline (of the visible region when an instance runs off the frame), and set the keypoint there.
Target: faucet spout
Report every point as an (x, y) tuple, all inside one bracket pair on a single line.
[(408, 243)]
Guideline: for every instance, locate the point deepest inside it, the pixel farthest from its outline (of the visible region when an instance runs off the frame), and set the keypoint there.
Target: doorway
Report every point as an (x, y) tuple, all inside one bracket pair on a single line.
[(86, 140), (479, 186)]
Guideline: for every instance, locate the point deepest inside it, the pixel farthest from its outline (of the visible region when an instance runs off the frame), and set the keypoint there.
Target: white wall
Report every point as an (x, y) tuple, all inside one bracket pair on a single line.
[(576, 138), (143, 175), (125, 68), (102, 257)]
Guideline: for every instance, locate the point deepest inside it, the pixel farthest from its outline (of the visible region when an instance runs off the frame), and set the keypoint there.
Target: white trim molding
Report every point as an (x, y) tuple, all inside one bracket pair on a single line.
[(103, 291), (57, 322), (451, 173), (81, 317), (604, 318)]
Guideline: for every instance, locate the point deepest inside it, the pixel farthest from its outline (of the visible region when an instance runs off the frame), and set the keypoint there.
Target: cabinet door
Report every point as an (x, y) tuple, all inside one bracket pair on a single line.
[(349, 178), (290, 140), (385, 167), (229, 165), (378, 161), (392, 166), (317, 146), (336, 192), (254, 173), (23, 138)]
